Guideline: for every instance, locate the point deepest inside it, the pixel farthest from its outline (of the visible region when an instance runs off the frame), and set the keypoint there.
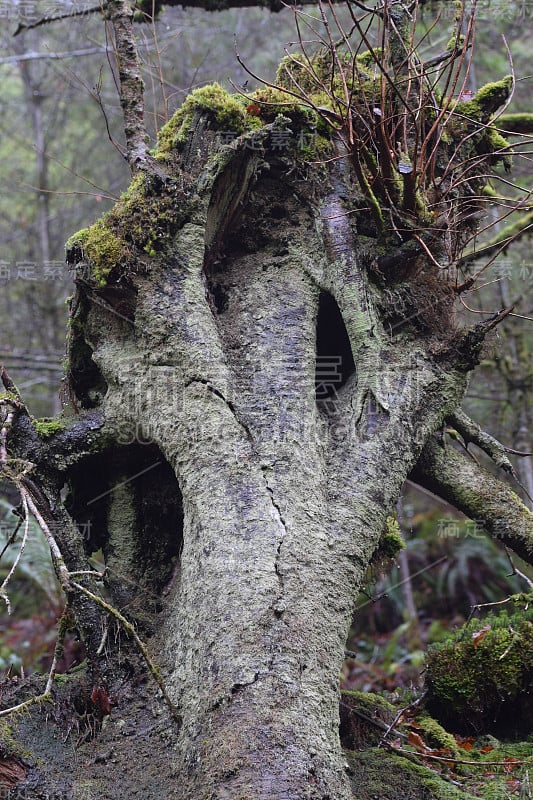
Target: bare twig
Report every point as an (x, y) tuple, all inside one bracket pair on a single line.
[(16, 560), (516, 571), (128, 627), (397, 718)]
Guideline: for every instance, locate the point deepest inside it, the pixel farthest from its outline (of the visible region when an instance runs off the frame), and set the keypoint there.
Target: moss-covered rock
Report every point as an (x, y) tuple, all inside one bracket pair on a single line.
[(480, 680)]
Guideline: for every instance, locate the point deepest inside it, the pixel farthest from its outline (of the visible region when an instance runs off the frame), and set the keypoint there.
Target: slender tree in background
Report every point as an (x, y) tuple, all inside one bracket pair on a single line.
[(331, 213)]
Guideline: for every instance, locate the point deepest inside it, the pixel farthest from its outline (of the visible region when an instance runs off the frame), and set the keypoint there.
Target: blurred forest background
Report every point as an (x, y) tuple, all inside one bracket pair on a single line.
[(61, 168)]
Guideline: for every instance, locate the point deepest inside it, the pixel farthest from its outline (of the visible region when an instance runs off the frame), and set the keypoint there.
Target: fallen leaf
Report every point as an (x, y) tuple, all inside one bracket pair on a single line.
[(467, 743), (510, 764), (479, 635), (417, 741)]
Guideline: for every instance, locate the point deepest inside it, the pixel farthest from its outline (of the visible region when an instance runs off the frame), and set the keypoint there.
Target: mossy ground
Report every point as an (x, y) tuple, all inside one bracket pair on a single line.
[(419, 758), (379, 774)]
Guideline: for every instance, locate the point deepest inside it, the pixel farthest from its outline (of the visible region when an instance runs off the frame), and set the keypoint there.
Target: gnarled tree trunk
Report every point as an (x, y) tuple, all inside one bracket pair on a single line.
[(239, 490), (284, 495)]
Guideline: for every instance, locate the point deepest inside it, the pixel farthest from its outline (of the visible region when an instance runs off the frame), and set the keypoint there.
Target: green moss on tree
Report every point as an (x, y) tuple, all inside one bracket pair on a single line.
[(321, 81), (518, 123), (491, 142), (514, 229), (11, 397), (390, 544), (227, 110), (9, 746), (100, 247), (146, 10), (47, 427), (487, 100)]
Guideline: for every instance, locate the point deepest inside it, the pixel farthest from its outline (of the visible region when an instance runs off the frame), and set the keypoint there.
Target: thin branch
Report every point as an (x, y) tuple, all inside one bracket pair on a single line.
[(516, 571), (5, 583), (26, 26), (451, 758), (398, 717), (472, 432), (120, 14), (488, 501), (63, 573)]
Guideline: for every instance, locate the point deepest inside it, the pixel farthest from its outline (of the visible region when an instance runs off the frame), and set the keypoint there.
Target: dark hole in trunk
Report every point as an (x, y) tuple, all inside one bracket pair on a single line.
[(153, 521), (334, 359)]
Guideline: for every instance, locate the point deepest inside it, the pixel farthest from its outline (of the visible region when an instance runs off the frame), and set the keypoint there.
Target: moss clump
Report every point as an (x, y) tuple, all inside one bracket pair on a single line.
[(435, 735), (320, 78), (497, 143), (239, 115), (487, 100), (11, 397), (497, 147), (146, 10), (9, 746), (272, 102), (141, 223), (100, 246), (227, 110), (369, 60), (482, 683), (363, 718), (47, 427), (390, 543), (370, 703), (456, 42)]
